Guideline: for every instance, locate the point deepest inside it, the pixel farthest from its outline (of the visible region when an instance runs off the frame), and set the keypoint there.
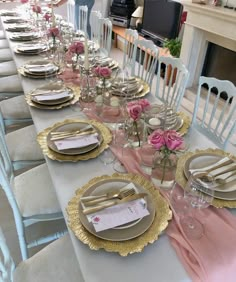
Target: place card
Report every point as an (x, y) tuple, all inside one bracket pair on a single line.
[(118, 215), (77, 142), (50, 96)]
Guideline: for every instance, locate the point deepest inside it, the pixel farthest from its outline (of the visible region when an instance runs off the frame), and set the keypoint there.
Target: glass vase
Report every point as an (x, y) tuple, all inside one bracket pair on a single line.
[(87, 89), (135, 131), (164, 169)]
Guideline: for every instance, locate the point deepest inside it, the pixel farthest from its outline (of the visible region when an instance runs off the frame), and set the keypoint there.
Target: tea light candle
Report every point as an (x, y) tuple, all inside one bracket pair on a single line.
[(154, 121), (86, 62), (115, 102)]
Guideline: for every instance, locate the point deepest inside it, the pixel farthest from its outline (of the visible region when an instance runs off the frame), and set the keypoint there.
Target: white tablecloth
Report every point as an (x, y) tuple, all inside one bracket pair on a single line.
[(158, 261)]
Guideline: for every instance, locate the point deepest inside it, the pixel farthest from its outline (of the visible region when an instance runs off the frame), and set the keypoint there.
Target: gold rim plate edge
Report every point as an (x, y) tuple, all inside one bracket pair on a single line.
[(105, 133), (124, 248), (181, 179)]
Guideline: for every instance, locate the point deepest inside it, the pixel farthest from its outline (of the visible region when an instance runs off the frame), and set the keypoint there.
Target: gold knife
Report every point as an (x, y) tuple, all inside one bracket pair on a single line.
[(114, 203)]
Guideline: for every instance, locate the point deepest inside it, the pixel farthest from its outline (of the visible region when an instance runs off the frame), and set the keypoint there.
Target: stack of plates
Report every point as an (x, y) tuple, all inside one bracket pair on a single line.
[(24, 36), (225, 191), (14, 20), (6, 13), (50, 95), (128, 88), (30, 49), (39, 69), (124, 232), (19, 27), (74, 127), (161, 116)]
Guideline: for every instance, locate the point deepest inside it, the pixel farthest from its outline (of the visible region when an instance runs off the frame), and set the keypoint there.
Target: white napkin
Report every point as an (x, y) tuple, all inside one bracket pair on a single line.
[(77, 142), (40, 68), (50, 96)]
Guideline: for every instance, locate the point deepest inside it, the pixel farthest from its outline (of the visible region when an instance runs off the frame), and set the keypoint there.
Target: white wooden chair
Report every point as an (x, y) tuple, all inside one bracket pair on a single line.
[(105, 36), (210, 118), (144, 60), (22, 147), (32, 198), (83, 19), (5, 55), (4, 43), (71, 12), (130, 36), (54, 263), (10, 86), (8, 68), (2, 34), (170, 90), (95, 26)]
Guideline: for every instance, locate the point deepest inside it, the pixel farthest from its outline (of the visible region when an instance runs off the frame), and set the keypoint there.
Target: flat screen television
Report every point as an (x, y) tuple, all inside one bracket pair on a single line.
[(161, 19)]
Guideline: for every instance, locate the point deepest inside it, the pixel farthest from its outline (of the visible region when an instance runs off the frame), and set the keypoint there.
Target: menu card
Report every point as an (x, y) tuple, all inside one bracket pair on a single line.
[(77, 141), (51, 96), (119, 214)]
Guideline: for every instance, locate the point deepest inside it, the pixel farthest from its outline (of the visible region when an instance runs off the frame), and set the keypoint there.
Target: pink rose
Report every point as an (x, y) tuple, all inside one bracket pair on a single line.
[(144, 104), (96, 71), (37, 9), (156, 139), (173, 140), (134, 111), (54, 31), (77, 48), (47, 17), (24, 1), (105, 72)]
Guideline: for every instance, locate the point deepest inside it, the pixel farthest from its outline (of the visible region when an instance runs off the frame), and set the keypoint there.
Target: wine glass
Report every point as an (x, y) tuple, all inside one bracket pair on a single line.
[(198, 194)]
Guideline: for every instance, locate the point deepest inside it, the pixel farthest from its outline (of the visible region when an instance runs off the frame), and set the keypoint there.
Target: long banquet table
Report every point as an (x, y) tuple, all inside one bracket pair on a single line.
[(158, 261)]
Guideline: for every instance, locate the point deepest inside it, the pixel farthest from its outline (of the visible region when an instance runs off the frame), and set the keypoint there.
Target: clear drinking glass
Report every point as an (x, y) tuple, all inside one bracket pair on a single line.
[(199, 194)]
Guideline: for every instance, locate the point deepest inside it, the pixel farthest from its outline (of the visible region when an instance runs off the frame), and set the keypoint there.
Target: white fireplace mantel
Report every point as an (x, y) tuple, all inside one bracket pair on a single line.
[(205, 23)]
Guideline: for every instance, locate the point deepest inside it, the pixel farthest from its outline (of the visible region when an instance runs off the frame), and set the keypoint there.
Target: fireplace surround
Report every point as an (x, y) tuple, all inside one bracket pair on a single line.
[(204, 24)]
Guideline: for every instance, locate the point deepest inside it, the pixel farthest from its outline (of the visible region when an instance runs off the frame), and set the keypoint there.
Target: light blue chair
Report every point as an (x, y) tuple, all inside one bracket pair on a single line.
[(130, 36), (144, 60), (170, 89), (55, 263), (83, 18), (32, 198), (21, 147), (214, 117), (105, 36)]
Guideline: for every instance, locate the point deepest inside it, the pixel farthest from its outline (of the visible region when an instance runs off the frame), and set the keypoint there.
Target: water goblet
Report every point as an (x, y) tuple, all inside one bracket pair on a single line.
[(199, 194)]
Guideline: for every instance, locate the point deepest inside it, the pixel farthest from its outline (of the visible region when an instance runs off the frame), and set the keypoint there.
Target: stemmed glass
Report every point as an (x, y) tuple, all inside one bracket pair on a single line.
[(198, 194)]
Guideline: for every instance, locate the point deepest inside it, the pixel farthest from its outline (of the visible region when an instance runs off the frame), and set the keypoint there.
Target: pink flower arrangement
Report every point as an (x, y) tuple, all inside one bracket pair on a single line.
[(47, 17), (169, 139), (24, 1), (77, 48), (167, 142), (136, 108), (103, 72), (54, 32), (37, 9)]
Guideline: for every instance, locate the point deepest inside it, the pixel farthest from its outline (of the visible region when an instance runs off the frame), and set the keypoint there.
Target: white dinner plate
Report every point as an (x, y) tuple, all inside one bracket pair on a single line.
[(224, 191)]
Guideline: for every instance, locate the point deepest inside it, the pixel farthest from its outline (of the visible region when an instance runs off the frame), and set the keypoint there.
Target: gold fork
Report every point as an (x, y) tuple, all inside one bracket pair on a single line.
[(72, 134), (111, 196)]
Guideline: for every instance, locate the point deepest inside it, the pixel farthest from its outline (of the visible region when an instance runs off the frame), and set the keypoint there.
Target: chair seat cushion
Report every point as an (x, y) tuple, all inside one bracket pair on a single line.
[(7, 68), (3, 43), (22, 144), (15, 108), (10, 84), (34, 192), (5, 55), (54, 263), (2, 34)]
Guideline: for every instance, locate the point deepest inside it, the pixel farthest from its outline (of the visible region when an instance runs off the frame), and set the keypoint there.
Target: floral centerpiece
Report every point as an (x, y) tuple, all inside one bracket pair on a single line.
[(135, 110), (24, 1), (47, 17), (167, 143), (103, 73), (103, 85), (76, 48), (37, 10), (54, 32)]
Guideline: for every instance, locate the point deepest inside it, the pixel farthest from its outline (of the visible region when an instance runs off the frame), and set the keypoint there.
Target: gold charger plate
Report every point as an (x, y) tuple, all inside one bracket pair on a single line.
[(134, 229), (186, 123), (182, 180), (162, 215), (105, 133), (75, 99), (21, 70), (73, 126), (205, 159)]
